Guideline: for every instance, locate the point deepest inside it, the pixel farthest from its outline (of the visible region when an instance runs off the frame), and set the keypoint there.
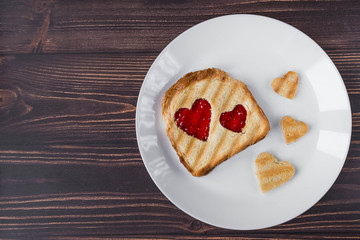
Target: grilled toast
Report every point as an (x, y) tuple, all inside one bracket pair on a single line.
[(293, 130), (287, 85), (271, 172), (223, 93)]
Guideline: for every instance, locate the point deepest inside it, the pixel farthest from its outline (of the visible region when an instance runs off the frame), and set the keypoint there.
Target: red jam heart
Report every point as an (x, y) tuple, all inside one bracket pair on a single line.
[(195, 121), (235, 119)]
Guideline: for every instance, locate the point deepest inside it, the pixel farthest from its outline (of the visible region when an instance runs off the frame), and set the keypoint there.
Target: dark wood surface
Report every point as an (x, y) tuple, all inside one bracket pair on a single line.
[(70, 74)]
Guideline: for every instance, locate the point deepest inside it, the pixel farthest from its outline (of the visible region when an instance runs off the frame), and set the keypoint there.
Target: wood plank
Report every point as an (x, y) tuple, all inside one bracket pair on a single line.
[(23, 25), (68, 97), (72, 27), (123, 213)]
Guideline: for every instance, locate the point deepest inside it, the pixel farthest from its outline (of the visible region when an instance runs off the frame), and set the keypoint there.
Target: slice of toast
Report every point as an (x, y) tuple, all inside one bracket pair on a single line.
[(292, 130), (271, 172), (223, 93), (287, 85)]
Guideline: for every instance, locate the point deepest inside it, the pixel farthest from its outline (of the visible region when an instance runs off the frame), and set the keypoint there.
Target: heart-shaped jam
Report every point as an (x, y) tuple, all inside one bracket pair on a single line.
[(195, 121), (234, 120)]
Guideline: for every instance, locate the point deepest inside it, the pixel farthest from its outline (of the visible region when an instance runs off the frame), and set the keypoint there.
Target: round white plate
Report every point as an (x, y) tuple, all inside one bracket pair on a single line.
[(255, 50)]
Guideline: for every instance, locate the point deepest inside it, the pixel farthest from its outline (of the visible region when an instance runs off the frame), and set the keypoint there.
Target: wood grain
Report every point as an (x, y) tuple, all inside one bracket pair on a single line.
[(69, 158), (46, 26), (127, 213), (70, 74)]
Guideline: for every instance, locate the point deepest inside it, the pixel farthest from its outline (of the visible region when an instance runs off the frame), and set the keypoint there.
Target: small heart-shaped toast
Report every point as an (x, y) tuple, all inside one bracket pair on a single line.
[(286, 86), (292, 129), (271, 172)]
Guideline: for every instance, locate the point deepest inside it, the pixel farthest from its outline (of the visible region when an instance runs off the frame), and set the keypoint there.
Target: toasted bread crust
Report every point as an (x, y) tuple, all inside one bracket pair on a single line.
[(210, 83)]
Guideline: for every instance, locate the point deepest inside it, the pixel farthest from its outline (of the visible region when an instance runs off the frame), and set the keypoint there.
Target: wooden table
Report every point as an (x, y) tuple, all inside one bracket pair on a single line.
[(70, 74)]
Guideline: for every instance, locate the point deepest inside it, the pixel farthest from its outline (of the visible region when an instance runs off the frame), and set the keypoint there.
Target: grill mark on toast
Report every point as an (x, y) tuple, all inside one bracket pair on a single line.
[(241, 134), (215, 97), (226, 104), (180, 136), (276, 87), (191, 145), (269, 174), (213, 147), (238, 138), (185, 99), (289, 91)]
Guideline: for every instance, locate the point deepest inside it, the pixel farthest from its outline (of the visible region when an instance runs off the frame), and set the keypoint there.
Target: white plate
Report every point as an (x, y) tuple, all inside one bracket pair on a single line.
[(254, 49)]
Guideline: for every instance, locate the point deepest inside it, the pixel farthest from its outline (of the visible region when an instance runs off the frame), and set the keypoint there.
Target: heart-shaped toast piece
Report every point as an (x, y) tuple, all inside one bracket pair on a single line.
[(234, 120), (223, 93), (287, 85), (293, 130), (195, 121), (271, 172)]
